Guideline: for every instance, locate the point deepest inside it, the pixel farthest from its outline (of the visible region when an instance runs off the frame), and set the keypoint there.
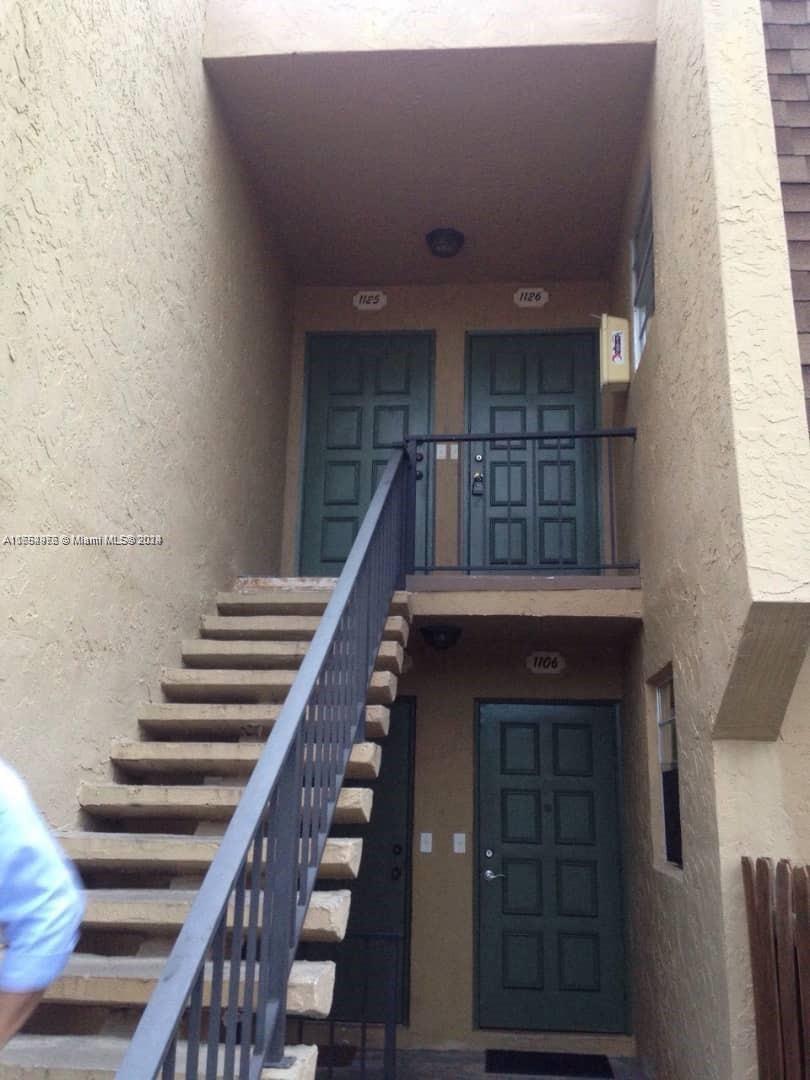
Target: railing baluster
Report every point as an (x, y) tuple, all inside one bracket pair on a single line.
[(169, 1062), (234, 982), (215, 1003), (194, 1025), (256, 867)]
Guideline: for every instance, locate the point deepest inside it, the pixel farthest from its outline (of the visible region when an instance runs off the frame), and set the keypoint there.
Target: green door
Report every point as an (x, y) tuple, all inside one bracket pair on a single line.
[(549, 936), (376, 947), (534, 504), (366, 391)]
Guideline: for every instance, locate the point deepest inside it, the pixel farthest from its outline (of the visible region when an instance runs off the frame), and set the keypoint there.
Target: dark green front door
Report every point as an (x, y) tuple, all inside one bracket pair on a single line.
[(549, 936), (376, 948), (535, 503), (365, 391)]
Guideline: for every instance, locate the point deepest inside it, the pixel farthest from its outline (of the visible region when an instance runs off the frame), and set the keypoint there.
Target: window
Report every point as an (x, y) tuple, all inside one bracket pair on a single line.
[(643, 269), (668, 759)]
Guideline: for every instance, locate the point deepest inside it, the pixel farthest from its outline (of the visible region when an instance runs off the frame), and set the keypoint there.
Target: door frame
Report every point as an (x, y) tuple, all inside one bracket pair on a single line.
[(309, 336), (616, 706), (464, 502)]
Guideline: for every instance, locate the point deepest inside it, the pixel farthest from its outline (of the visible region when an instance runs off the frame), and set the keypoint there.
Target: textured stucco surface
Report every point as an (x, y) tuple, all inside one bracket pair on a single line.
[(721, 472), (254, 27), (143, 317)]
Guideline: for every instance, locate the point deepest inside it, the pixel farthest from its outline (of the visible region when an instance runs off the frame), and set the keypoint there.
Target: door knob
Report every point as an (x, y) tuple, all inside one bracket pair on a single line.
[(477, 483), (490, 875), (396, 873)]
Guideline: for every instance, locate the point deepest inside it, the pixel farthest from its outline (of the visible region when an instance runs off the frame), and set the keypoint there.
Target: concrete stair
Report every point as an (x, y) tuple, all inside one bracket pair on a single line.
[(200, 802), (220, 759), (163, 911), (135, 852), (291, 601), (156, 829), (271, 655), (91, 1057), (283, 628), (130, 980), (176, 720), (235, 684)]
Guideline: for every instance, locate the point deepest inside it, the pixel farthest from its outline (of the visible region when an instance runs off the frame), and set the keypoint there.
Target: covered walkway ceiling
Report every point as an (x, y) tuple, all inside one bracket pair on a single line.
[(357, 155)]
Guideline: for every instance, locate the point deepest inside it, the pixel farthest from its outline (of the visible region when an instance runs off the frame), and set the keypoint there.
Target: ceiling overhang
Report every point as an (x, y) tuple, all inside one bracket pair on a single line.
[(528, 151)]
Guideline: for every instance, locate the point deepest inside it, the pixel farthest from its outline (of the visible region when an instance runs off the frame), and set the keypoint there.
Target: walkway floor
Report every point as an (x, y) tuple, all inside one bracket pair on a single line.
[(453, 1065)]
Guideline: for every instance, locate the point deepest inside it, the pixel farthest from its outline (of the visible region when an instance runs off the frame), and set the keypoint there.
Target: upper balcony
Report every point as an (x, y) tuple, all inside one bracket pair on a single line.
[(365, 131)]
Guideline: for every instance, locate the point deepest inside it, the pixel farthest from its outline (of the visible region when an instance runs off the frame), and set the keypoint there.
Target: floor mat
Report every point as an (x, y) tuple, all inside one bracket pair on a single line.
[(523, 1063)]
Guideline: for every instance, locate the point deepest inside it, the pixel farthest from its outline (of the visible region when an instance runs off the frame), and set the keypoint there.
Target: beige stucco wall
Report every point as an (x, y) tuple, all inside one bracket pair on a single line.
[(254, 27), (488, 662), (722, 471), (144, 321), (450, 311)]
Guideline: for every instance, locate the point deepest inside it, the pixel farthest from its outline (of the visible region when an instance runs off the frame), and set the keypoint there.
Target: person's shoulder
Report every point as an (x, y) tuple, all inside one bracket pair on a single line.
[(12, 788)]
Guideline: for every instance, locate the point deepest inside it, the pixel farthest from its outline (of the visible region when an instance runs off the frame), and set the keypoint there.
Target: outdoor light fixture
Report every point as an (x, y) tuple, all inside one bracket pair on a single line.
[(445, 243), (440, 636)]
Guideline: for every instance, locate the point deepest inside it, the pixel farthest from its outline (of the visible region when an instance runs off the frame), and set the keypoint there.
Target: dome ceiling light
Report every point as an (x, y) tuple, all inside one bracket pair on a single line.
[(444, 243)]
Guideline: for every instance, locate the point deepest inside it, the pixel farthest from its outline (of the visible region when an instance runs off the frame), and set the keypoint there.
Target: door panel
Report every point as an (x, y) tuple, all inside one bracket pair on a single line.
[(365, 391), (537, 505), (549, 935), (381, 895)]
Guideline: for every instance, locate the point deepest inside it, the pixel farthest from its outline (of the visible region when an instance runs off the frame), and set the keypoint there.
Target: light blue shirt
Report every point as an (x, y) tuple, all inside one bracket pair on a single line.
[(41, 903)]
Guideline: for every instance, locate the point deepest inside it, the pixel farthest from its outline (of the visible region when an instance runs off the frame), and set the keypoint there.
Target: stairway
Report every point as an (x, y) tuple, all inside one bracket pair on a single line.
[(155, 829)]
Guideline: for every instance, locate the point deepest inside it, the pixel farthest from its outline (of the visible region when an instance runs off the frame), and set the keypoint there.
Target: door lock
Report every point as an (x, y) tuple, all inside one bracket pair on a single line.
[(490, 875), (477, 483)]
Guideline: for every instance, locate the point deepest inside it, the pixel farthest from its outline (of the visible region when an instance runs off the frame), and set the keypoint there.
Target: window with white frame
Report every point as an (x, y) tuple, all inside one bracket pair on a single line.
[(643, 269), (668, 759)]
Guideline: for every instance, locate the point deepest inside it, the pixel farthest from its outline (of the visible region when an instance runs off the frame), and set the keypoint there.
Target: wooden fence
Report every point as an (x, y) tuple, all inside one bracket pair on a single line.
[(778, 904)]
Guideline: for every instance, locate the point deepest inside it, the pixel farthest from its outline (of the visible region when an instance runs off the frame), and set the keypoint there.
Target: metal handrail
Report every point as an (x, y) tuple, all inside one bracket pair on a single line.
[(276, 836), (530, 436), (475, 455)]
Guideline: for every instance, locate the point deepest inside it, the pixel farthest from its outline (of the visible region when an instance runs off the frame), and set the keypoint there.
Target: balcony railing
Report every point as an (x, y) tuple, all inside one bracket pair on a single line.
[(541, 503)]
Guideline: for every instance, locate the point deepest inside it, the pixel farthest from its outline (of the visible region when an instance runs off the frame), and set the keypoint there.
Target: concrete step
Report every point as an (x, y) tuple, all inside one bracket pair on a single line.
[(97, 1057), (201, 802), (172, 719), (165, 911), (281, 601), (130, 980), (233, 685), (132, 852), (271, 655), (283, 628), (220, 759)]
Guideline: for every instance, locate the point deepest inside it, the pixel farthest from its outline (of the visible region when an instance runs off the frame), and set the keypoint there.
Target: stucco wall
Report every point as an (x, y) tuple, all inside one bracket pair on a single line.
[(254, 27), (451, 311), (144, 321), (722, 502)]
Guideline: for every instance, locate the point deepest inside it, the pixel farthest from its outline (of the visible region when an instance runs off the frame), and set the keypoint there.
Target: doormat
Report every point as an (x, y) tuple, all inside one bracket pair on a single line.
[(523, 1063)]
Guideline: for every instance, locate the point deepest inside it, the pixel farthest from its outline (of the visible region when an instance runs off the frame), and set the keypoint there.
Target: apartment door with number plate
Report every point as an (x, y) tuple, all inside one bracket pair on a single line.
[(532, 504), (550, 946), (365, 393)]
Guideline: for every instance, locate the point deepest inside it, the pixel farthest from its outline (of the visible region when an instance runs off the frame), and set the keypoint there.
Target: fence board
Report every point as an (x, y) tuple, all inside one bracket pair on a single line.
[(772, 1064), (778, 908), (801, 906), (786, 971), (758, 975)]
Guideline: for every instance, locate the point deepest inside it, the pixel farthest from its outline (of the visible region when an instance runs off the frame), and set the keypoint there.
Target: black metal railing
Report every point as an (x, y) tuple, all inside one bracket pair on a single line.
[(224, 986), (543, 503), (359, 1058)]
